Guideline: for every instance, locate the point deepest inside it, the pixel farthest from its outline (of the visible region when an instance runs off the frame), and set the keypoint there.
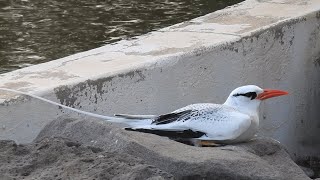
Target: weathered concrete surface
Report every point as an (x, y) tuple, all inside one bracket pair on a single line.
[(260, 159), (270, 43)]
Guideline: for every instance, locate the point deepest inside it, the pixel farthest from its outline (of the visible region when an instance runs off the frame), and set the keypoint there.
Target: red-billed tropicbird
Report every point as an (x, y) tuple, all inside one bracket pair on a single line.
[(236, 120)]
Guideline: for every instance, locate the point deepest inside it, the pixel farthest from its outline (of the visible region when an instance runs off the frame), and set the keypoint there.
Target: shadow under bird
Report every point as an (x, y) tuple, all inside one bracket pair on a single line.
[(203, 124)]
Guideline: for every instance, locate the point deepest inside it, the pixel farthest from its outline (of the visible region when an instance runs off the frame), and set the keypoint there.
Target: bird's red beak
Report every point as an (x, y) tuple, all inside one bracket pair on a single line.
[(269, 93)]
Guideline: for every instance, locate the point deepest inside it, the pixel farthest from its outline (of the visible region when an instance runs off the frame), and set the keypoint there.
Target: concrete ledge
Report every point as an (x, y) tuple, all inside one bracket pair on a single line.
[(270, 43)]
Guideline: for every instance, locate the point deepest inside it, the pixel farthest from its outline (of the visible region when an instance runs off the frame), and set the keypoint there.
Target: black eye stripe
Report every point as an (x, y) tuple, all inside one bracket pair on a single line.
[(251, 95)]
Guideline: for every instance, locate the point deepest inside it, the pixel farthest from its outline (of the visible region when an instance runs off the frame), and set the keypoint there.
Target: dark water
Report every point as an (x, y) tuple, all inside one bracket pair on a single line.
[(36, 31)]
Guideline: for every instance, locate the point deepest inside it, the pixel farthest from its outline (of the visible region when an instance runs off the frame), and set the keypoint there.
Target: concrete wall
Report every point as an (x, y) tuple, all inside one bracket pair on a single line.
[(270, 43)]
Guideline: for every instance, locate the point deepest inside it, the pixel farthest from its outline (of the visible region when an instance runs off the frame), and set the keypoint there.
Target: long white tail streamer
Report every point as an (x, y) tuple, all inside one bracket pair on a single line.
[(109, 118)]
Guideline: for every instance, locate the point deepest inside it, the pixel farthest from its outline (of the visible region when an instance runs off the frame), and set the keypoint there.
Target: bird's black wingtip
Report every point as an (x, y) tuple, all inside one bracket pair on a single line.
[(129, 129)]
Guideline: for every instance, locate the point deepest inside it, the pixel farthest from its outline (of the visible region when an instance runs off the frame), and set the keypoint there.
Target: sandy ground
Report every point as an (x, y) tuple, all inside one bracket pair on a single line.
[(58, 158)]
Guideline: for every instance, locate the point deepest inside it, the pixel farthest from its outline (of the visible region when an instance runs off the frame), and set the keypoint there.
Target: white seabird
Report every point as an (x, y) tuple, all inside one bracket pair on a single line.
[(236, 120)]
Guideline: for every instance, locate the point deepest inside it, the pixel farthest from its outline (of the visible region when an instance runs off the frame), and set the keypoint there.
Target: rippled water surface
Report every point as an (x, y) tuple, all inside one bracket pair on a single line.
[(36, 31)]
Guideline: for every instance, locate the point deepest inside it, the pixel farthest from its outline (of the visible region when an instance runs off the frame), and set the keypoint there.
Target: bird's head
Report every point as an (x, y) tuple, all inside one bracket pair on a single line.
[(248, 98)]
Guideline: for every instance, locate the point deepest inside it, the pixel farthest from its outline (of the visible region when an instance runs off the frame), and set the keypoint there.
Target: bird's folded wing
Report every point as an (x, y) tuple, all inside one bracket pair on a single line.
[(171, 133), (171, 117)]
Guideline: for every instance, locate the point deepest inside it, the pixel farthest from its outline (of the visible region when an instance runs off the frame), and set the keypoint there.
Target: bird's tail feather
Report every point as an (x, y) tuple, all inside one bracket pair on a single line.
[(131, 122), (121, 119)]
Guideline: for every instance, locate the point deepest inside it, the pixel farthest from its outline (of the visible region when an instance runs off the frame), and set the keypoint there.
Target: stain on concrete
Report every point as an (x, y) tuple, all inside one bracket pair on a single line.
[(49, 74), (161, 52), (278, 34), (65, 95), (291, 41), (230, 46), (278, 29), (240, 17), (13, 98), (61, 75), (17, 85), (316, 62), (133, 74), (318, 15), (18, 99), (68, 95)]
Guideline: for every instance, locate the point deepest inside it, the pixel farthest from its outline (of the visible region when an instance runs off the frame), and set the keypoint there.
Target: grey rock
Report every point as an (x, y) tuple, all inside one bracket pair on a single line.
[(263, 159), (60, 158)]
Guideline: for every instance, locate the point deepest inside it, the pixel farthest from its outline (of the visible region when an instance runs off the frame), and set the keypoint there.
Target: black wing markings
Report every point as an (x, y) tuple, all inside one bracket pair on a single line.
[(174, 134), (171, 117)]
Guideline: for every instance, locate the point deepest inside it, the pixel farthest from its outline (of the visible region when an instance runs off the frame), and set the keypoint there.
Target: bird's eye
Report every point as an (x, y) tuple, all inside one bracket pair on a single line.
[(251, 95)]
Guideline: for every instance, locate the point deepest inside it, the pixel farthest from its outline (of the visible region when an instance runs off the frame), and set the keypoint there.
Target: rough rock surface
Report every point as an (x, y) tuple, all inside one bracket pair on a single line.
[(259, 159), (59, 158)]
